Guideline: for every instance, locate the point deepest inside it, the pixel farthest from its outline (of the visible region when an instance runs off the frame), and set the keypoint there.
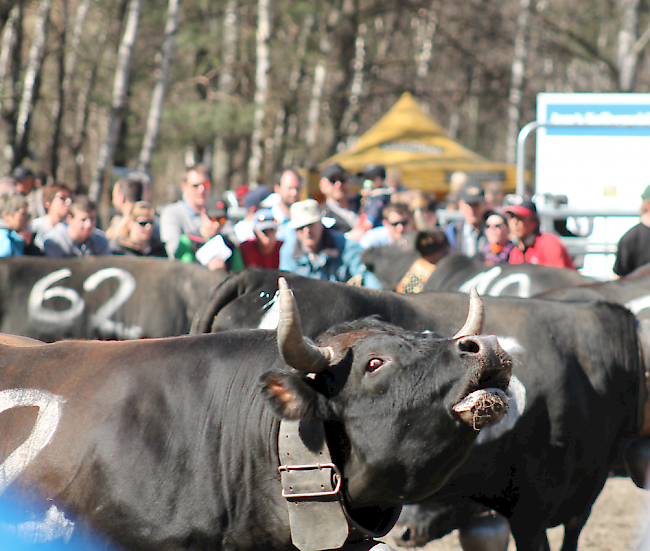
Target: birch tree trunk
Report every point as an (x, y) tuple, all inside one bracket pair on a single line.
[(120, 86), (12, 47), (160, 87), (8, 41), (320, 72), (629, 46), (517, 80), (261, 89), (221, 158), (29, 85), (286, 128), (349, 123), (426, 30)]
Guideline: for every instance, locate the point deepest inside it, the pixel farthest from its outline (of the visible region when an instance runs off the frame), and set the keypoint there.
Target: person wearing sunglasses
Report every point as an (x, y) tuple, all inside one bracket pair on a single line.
[(185, 216), (497, 250), (57, 197), (396, 223), (137, 236), (318, 252), (532, 245), (211, 246), (339, 207)]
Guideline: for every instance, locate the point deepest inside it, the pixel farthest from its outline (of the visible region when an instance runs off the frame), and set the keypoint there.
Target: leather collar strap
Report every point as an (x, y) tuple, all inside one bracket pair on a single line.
[(313, 487)]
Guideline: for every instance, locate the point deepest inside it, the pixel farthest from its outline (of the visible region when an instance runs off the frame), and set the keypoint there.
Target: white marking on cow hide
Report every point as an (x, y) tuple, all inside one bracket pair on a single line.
[(101, 318), (49, 414), (481, 281), (40, 293), (271, 318), (511, 345), (49, 405), (53, 527), (516, 406), (637, 304), (512, 279)]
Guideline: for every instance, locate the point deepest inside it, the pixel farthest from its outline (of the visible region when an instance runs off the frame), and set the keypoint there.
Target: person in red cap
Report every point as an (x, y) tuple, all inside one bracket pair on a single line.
[(532, 245)]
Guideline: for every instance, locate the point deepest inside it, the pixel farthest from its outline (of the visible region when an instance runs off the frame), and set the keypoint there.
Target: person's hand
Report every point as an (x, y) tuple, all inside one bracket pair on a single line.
[(216, 264)]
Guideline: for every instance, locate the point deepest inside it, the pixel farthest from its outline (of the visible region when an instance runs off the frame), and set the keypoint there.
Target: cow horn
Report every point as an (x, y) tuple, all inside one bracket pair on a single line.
[(295, 350), (474, 323)]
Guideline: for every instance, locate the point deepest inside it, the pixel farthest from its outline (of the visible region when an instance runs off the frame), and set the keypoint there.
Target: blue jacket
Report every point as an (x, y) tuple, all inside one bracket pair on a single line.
[(338, 260), (11, 243)]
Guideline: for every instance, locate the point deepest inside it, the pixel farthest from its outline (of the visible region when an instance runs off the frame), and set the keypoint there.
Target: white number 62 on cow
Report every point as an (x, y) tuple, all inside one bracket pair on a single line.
[(101, 319)]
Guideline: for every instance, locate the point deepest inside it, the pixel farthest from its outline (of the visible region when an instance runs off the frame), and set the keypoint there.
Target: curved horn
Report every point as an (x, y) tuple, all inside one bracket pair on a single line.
[(474, 323), (295, 350)]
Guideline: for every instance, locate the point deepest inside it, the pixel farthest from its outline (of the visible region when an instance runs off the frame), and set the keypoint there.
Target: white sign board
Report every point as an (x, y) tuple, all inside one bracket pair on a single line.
[(596, 167)]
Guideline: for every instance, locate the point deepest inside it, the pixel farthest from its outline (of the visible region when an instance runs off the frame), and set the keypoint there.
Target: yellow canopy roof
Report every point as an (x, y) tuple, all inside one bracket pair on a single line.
[(407, 139)]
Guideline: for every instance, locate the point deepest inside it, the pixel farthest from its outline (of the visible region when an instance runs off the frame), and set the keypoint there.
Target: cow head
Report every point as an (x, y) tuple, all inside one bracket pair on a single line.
[(402, 409)]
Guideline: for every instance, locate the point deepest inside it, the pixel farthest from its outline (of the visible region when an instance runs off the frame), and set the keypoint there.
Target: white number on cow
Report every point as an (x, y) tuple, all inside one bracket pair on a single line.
[(42, 291), (483, 280), (49, 414), (49, 405), (101, 319)]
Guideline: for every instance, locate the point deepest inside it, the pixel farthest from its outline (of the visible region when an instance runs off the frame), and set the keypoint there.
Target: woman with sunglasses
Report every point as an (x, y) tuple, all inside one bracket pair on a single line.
[(497, 250), (136, 238)]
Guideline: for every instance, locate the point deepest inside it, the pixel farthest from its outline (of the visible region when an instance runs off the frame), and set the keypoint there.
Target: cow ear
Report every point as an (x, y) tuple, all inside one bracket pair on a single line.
[(292, 398)]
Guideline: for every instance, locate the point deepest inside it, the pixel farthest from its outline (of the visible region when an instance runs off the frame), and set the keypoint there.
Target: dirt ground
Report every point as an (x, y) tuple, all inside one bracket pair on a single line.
[(615, 524)]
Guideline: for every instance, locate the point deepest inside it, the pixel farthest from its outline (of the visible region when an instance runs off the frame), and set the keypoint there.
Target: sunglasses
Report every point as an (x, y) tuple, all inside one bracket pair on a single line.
[(341, 181), (221, 221), (398, 223), (493, 226), (66, 200), (144, 223), (206, 185)]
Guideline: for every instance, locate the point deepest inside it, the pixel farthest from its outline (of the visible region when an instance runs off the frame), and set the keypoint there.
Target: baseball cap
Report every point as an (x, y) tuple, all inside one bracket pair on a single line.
[(521, 207), (304, 213), (216, 207), (21, 172), (334, 172), (264, 220), (374, 171), (472, 193), (255, 196)]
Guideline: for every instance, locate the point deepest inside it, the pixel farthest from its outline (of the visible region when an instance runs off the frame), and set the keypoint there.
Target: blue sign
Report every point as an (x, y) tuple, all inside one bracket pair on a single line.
[(593, 119)]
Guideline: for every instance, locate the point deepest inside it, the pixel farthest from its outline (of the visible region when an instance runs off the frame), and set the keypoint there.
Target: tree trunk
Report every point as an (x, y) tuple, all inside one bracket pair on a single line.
[(629, 46), (426, 30), (12, 46), (120, 86), (8, 40), (349, 123), (517, 80), (261, 90), (160, 87), (29, 84), (221, 160)]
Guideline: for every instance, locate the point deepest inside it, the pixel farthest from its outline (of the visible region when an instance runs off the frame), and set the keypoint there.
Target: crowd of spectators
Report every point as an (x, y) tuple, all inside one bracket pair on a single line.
[(275, 228)]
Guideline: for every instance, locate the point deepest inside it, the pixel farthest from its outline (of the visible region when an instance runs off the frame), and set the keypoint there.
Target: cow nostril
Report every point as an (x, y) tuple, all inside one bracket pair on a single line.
[(469, 346), (406, 534)]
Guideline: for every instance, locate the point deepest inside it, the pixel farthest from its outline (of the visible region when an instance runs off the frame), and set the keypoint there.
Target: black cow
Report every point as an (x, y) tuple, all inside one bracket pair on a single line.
[(633, 291), (579, 378), (457, 272), (176, 443), (105, 297)]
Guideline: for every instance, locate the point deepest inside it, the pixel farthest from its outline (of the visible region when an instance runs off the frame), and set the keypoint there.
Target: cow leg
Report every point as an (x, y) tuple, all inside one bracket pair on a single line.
[(529, 538), (572, 530)]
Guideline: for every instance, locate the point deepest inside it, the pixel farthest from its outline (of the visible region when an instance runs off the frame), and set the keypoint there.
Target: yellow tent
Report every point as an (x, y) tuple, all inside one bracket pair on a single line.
[(408, 140)]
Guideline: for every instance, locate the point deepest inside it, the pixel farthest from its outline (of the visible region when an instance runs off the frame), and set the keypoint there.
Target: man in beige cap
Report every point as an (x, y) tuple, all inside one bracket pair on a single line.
[(313, 250)]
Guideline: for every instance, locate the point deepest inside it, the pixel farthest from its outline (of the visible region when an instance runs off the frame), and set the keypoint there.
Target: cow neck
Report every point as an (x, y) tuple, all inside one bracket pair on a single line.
[(314, 489)]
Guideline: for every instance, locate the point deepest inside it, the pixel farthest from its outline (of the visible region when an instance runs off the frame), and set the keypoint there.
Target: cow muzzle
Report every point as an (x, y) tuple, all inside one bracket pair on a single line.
[(483, 400)]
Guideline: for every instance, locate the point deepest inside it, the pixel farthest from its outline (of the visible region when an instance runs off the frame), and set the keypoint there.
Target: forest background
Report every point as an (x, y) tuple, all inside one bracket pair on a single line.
[(249, 87)]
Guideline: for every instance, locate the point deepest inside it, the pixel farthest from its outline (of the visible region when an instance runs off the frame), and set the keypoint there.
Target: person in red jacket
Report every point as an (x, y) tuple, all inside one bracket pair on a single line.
[(532, 245), (264, 250)]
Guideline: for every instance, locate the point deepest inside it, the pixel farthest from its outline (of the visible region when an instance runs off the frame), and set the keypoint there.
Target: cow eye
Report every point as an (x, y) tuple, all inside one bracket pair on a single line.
[(374, 365)]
